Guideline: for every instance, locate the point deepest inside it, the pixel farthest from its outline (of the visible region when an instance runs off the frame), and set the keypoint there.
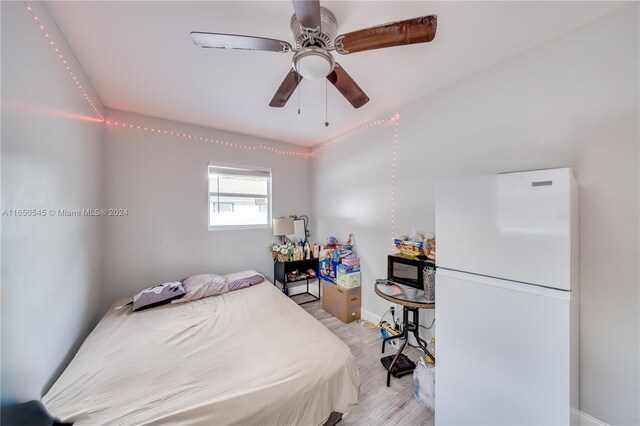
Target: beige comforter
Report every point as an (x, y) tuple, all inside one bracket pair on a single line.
[(247, 357)]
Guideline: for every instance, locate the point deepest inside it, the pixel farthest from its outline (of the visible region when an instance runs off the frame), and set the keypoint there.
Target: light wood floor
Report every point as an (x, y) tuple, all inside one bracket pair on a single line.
[(379, 405)]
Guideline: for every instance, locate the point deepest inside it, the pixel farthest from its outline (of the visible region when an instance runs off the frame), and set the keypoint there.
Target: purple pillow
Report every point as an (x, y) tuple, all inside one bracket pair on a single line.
[(203, 285), (240, 280), (158, 295)]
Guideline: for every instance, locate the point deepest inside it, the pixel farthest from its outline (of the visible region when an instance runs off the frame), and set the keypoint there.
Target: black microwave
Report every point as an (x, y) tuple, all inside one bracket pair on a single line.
[(408, 270)]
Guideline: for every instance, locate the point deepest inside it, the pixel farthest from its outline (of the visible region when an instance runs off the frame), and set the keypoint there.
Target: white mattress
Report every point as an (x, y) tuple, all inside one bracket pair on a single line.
[(247, 357)]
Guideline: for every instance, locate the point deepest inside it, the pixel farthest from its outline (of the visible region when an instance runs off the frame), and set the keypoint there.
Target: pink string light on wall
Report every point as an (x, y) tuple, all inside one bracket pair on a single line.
[(393, 119), (63, 60), (196, 138), (394, 158), (355, 131)]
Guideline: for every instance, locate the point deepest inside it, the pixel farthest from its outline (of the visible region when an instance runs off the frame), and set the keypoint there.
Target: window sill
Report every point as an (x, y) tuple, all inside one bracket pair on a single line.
[(237, 227)]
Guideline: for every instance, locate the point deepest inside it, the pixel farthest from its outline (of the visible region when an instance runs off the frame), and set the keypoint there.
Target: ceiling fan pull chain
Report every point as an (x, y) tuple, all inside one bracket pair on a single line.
[(299, 90), (326, 103)]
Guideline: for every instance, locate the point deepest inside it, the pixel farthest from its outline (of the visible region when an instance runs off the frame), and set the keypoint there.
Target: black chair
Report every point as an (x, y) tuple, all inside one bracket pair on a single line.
[(31, 413)]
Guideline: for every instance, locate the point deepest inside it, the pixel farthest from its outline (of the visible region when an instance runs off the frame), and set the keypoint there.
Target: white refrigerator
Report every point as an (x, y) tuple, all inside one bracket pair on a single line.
[(507, 299)]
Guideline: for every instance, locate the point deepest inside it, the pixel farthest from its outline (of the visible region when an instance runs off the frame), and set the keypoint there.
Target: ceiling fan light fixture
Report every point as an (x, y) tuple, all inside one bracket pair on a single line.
[(313, 63)]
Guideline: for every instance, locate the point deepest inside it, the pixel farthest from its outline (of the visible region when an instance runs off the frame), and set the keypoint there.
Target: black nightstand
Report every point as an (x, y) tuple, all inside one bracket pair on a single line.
[(281, 269)]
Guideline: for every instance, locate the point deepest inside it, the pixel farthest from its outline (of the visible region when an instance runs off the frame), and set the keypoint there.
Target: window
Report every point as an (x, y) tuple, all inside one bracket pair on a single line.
[(223, 207), (239, 197)]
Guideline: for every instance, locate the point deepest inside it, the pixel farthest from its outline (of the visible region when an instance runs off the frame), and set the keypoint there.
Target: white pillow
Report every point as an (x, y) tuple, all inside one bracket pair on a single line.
[(203, 285)]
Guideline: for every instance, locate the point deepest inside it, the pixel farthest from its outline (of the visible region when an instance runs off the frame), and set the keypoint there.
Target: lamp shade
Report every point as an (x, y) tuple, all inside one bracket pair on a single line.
[(283, 226)]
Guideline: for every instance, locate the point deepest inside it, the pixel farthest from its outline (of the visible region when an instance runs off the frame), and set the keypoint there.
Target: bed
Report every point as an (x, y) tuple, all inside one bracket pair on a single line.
[(246, 357)]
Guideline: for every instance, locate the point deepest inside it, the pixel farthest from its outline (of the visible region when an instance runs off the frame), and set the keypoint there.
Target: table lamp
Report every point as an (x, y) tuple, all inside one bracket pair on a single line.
[(283, 226)]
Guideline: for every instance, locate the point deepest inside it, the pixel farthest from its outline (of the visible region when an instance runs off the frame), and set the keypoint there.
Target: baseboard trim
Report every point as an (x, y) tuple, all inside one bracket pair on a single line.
[(367, 315), (584, 419)]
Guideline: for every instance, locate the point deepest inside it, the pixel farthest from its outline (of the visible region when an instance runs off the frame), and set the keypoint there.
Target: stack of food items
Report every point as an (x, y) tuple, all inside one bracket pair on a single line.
[(349, 271), (408, 247), (298, 275), (416, 244), (339, 264), (429, 247), (340, 279)]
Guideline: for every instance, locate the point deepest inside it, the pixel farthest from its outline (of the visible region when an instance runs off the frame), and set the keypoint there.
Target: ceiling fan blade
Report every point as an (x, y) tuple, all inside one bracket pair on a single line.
[(411, 31), (307, 12), (233, 41), (286, 89), (348, 87)]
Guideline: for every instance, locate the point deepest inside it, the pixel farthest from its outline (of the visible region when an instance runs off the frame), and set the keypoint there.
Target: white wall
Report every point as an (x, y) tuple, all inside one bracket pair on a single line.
[(51, 158), (571, 102), (162, 180)]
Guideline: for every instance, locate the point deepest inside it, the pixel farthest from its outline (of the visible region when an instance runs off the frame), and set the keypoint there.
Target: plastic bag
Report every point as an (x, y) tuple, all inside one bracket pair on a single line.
[(424, 382)]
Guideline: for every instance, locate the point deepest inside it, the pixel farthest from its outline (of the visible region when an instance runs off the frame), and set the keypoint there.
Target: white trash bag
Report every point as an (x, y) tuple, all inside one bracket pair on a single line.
[(424, 382)]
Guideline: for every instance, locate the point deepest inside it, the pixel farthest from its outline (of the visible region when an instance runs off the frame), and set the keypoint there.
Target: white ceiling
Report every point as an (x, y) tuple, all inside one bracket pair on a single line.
[(140, 58)]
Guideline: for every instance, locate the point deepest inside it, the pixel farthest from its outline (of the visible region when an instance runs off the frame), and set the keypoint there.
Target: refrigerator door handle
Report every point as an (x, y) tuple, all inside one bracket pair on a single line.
[(506, 284)]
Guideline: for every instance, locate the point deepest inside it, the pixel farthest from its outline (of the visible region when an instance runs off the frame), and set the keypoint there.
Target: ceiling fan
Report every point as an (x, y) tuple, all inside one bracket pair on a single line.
[(314, 30)]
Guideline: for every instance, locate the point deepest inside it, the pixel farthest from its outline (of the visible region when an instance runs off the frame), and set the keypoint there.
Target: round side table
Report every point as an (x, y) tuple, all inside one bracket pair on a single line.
[(412, 300)]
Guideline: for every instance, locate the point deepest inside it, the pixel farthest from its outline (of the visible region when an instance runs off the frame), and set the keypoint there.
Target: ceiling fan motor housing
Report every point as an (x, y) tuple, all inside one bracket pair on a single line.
[(321, 37)]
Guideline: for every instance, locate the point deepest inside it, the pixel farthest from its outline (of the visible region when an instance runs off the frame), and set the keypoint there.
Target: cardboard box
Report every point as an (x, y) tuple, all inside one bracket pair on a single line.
[(348, 280), (343, 303), (328, 269)]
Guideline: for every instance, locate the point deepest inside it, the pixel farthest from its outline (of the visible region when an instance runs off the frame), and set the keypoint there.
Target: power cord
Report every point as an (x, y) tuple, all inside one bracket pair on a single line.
[(428, 328), (369, 325), (373, 326)]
